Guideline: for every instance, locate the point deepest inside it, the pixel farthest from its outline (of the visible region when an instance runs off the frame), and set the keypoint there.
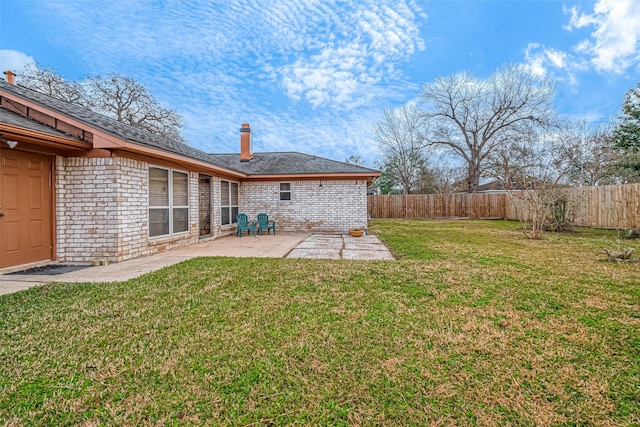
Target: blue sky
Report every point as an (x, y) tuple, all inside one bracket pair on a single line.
[(314, 75)]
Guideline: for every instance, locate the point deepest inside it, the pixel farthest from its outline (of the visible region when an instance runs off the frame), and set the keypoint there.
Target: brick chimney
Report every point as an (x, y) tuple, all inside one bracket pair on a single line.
[(245, 143), (10, 77)]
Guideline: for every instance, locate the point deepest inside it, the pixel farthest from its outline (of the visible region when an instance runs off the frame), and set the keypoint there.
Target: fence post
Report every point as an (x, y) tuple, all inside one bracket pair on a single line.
[(404, 205)]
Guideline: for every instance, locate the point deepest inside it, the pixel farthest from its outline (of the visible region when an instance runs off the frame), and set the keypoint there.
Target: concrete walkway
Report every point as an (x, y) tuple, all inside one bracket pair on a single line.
[(290, 245)]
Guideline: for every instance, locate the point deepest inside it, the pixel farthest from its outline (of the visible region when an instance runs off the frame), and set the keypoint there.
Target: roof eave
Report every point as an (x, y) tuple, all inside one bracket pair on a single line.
[(369, 177), (19, 133), (313, 175)]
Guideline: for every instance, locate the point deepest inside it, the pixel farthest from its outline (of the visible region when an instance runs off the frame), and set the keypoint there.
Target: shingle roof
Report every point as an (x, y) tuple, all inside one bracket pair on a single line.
[(262, 163), (14, 119), (288, 163), (104, 123)]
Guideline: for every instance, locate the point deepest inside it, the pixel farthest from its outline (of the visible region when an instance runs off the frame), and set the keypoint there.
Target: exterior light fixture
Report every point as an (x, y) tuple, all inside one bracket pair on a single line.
[(11, 144)]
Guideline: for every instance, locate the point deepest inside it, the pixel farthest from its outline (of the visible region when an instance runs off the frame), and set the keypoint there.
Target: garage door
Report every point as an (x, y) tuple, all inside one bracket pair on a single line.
[(25, 208)]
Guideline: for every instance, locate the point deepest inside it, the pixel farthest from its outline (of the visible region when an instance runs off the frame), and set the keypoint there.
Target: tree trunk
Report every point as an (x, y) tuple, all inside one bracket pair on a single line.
[(473, 176)]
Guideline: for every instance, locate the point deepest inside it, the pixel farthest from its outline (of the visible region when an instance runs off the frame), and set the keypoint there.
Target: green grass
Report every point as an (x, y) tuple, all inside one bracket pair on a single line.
[(474, 325)]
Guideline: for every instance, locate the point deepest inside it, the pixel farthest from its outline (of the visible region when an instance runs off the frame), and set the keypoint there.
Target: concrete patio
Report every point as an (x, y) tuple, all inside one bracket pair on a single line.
[(282, 245), (341, 246)]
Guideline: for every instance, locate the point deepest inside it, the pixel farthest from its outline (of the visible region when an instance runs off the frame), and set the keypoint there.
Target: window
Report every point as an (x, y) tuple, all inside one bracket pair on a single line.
[(228, 202), (285, 191), (168, 202)]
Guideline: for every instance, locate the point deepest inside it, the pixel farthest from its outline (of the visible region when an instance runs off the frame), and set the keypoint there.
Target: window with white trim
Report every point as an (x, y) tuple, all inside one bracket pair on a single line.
[(228, 202), (168, 201), (285, 191)]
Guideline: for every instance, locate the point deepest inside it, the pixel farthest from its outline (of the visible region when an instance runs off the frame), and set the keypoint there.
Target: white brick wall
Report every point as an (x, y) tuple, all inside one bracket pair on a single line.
[(86, 209), (318, 205), (132, 187), (102, 208)]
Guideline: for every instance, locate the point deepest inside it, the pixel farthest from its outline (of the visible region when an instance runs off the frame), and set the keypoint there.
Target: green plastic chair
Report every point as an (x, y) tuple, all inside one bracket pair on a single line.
[(242, 221), (265, 224)]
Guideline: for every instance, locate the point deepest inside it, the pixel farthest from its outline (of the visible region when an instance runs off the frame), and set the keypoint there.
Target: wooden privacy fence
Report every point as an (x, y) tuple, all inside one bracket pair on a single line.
[(419, 206), (607, 206)]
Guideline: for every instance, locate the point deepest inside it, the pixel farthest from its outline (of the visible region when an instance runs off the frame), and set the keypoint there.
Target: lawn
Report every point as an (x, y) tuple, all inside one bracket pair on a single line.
[(473, 325)]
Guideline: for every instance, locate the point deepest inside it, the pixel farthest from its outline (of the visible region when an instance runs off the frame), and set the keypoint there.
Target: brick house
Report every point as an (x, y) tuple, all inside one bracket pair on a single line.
[(76, 186)]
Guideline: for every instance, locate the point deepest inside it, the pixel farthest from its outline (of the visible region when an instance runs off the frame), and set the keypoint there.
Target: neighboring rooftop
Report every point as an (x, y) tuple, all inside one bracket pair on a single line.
[(287, 163)]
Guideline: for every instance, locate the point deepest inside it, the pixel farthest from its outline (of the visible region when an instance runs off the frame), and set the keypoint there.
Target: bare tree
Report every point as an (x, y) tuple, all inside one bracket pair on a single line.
[(533, 169), (592, 158), (118, 97), (355, 159), (402, 144), (472, 118), (517, 162), (49, 82), (129, 101), (447, 176)]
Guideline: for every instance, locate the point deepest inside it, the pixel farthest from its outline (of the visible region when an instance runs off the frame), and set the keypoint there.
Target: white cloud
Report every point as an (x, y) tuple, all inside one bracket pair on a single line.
[(536, 60), (323, 63), (15, 60), (318, 51), (614, 43), (343, 72), (613, 46), (543, 61)]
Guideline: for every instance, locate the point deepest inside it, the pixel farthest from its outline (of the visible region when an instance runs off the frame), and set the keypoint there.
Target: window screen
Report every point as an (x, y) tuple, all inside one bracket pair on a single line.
[(228, 202), (168, 202)]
